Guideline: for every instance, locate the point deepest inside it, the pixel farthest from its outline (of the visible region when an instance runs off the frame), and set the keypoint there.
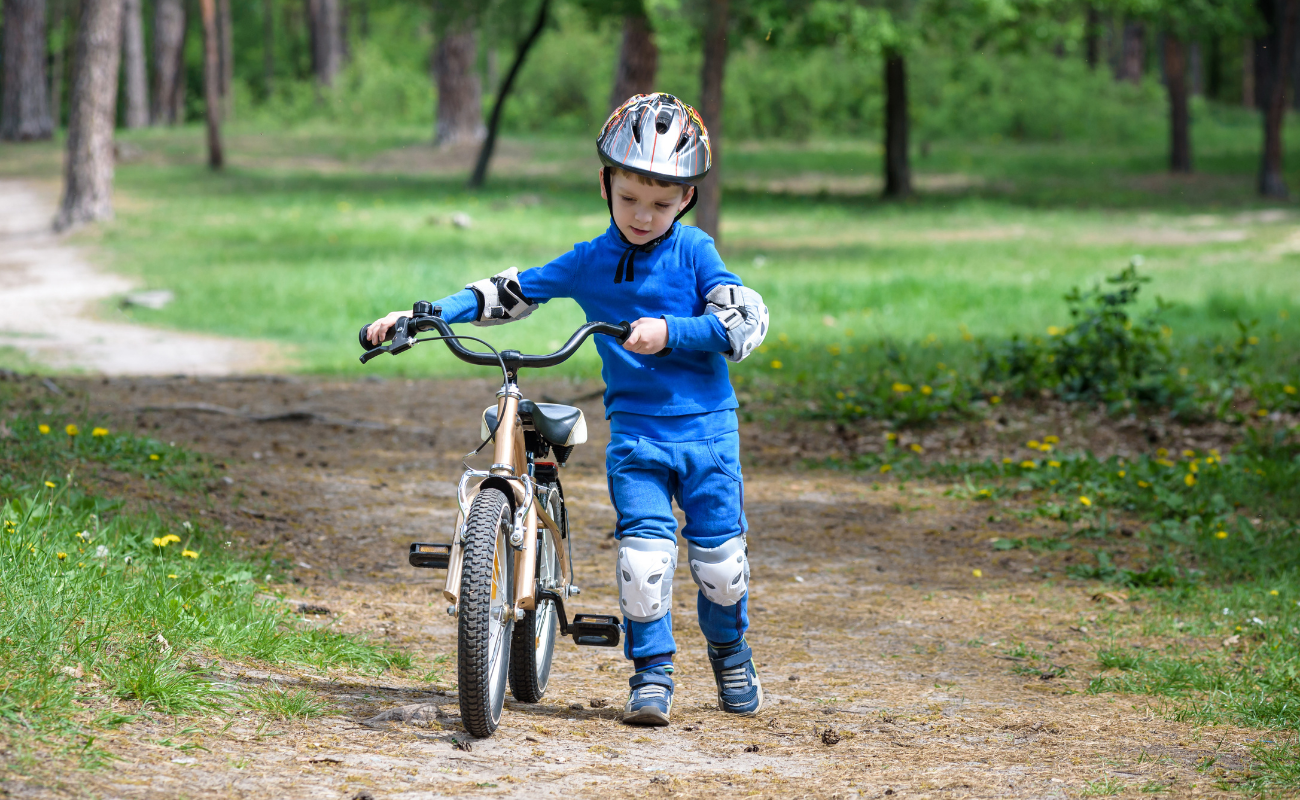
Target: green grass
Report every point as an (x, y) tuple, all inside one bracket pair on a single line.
[(278, 703), (104, 599)]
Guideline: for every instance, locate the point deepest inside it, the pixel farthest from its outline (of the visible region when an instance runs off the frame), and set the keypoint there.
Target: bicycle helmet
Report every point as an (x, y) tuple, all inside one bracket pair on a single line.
[(658, 136)]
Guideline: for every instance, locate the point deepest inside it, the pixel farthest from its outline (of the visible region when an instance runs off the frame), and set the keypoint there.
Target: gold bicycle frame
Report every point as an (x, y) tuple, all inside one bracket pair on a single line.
[(510, 462)]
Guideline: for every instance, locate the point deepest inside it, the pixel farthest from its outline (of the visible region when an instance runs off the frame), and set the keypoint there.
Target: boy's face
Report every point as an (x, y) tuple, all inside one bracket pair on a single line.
[(644, 212)]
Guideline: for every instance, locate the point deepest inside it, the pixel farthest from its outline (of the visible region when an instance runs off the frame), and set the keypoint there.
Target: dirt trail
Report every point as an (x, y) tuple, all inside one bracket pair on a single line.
[(885, 660), (48, 294)]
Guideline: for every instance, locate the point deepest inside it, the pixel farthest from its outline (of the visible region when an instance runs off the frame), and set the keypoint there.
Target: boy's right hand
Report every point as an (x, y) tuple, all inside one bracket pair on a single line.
[(378, 331)]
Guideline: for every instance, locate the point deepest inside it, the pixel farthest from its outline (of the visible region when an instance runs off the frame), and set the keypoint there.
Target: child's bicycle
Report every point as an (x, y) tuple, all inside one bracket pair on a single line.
[(507, 575)]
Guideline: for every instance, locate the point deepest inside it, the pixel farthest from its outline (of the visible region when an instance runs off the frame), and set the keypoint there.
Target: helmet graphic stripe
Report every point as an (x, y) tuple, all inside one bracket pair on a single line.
[(687, 156)]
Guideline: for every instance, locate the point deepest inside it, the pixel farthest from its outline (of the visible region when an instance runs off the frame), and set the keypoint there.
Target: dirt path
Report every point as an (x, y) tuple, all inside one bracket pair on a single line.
[(48, 298), (890, 669)]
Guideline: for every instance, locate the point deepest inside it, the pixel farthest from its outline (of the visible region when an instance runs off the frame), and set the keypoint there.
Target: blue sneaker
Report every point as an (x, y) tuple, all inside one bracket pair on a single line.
[(650, 700), (739, 690)]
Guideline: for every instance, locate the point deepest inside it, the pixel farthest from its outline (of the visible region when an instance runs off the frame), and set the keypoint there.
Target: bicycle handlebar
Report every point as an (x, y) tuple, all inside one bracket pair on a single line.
[(424, 317)]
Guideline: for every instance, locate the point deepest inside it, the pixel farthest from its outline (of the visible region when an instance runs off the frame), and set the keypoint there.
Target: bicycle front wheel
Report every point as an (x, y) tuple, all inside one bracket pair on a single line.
[(486, 617)]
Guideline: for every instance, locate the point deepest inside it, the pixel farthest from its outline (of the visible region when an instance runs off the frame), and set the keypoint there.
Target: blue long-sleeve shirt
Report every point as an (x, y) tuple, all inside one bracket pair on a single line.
[(671, 281)]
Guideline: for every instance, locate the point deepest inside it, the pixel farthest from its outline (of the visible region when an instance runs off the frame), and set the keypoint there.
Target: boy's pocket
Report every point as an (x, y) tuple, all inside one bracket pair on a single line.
[(726, 454), (620, 453)]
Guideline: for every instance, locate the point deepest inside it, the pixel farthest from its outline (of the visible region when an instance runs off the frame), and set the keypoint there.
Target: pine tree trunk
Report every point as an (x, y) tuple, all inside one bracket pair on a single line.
[(57, 59), (134, 75), (898, 169), (168, 62), (1180, 141), (460, 93), (1272, 183), (88, 168), (25, 94), (708, 208), (1092, 36), (326, 30), (268, 46), (1248, 73), (638, 60), (226, 58), (212, 81), (1133, 55)]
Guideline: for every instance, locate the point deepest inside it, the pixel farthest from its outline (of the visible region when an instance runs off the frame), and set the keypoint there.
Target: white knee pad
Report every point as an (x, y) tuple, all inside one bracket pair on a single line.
[(721, 572), (645, 578)]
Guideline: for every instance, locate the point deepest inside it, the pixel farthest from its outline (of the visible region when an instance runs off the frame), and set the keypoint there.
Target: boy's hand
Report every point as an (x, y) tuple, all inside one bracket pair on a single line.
[(649, 336), (378, 330)]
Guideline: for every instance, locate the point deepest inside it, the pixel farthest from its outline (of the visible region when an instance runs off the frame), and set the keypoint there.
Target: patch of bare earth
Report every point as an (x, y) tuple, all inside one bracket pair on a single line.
[(885, 660)]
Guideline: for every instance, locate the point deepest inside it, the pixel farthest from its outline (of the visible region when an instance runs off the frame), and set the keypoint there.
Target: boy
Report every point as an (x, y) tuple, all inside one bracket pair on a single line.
[(670, 404)]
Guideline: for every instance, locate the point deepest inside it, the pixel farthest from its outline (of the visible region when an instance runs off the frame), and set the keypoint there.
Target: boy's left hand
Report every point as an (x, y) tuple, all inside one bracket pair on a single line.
[(649, 336)]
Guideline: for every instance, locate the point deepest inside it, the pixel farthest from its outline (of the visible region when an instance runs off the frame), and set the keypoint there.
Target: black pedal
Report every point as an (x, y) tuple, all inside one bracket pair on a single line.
[(429, 556), (595, 630)]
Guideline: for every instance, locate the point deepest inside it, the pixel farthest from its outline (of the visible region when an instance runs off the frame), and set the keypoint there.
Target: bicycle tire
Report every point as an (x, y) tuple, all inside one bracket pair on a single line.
[(482, 642), (532, 650)]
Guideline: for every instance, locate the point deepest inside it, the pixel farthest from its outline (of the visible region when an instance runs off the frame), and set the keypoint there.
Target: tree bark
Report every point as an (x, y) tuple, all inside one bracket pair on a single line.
[(1180, 142), (1092, 36), (226, 58), (268, 46), (168, 62), (212, 81), (88, 168), (1196, 69), (1272, 183), (494, 123), (1133, 55), (1248, 73), (25, 93), (898, 170), (638, 60), (708, 208), (134, 74), (460, 93), (326, 29), (57, 59)]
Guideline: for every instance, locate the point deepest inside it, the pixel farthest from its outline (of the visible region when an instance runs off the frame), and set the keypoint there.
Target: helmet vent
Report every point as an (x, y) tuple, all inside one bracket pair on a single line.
[(682, 142), (663, 122), (636, 126)]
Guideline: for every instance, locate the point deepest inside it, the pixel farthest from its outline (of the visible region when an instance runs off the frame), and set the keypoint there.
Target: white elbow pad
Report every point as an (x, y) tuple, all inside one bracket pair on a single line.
[(743, 314), (500, 299)]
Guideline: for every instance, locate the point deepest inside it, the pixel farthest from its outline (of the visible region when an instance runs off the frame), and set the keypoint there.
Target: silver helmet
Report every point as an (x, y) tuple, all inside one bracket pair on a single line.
[(658, 136)]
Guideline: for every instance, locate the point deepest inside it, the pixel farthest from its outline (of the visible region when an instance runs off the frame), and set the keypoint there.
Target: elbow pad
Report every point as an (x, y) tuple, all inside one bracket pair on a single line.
[(743, 314), (500, 299)]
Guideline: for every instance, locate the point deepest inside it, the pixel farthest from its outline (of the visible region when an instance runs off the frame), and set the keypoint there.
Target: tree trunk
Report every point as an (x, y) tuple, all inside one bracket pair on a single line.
[(1196, 69), (1180, 142), (1248, 73), (226, 58), (708, 208), (494, 123), (25, 101), (168, 62), (638, 60), (212, 81), (1133, 56), (898, 170), (88, 167), (134, 75), (1092, 36), (460, 93), (57, 59), (268, 46), (1272, 183), (326, 29)]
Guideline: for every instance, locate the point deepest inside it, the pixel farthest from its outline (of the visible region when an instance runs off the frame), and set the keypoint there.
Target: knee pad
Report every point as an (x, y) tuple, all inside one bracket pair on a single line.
[(645, 578), (721, 572)]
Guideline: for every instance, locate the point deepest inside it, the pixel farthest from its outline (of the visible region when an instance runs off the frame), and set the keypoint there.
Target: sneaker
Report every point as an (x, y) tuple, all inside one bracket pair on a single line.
[(650, 700), (739, 690)]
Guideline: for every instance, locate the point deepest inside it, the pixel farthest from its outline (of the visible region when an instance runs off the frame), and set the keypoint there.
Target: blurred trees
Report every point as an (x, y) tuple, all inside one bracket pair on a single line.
[(24, 91), (136, 90), (459, 116), (638, 56), (212, 81), (168, 62)]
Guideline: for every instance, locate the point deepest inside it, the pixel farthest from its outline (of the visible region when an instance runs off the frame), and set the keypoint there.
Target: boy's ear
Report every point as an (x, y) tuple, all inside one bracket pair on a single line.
[(686, 197), (600, 178)]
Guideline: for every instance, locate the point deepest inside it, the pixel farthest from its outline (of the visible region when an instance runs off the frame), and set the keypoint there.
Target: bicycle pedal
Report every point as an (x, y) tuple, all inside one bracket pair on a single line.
[(595, 630), (429, 556)]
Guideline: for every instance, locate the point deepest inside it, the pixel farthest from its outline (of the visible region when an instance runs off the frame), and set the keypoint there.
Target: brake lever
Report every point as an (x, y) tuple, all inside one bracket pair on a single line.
[(369, 354), (401, 339)]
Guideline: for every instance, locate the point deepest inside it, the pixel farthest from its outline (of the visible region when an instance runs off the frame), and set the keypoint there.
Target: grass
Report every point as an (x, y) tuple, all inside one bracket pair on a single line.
[(104, 600), (278, 703)]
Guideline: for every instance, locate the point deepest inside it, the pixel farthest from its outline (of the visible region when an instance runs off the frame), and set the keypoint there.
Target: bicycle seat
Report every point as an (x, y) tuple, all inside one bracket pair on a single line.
[(562, 426)]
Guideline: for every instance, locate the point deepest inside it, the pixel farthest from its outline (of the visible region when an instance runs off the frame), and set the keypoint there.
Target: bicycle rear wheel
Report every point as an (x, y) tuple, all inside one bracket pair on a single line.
[(485, 621)]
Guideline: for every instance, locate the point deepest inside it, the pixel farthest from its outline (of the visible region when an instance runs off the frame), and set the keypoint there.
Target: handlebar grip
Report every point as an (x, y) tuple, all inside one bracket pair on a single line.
[(365, 343), (627, 331)]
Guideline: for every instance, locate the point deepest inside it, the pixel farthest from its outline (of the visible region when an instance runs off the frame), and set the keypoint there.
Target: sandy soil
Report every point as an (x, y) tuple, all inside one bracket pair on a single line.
[(884, 658), (49, 294)]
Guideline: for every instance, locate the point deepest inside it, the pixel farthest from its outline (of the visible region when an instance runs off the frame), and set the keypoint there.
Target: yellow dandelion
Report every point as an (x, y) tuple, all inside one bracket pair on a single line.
[(1189, 479), (1052, 439), (50, 484), (189, 554), (158, 542), (1044, 448), (1289, 389), (1253, 340), (916, 448), (1006, 461), (154, 456), (171, 537), (1192, 467), (72, 430), (1121, 473), (1164, 462), (62, 556), (1189, 454), (1086, 502), (995, 400), (43, 428), (776, 364), (839, 395), (885, 468), (1162, 453), (1263, 412), (901, 388), (1027, 464), (977, 573), (1056, 464), (97, 432), (927, 391), (1052, 330), (1143, 484), (890, 436), (1221, 535), (1052, 482), (1032, 444), (172, 576), (1273, 592)]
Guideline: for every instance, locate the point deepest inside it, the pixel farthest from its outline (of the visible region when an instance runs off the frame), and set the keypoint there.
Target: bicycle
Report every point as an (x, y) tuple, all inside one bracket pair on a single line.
[(509, 563)]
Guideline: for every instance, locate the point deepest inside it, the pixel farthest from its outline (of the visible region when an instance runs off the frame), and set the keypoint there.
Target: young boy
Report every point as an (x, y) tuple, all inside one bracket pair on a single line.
[(669, 400)]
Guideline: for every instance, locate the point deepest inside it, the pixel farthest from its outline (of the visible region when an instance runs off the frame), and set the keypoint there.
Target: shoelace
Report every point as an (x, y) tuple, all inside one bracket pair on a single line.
[(650, 692), (735, 679)]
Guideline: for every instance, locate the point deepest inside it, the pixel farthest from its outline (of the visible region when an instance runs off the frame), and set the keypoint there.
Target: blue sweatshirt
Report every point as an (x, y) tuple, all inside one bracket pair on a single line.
[(669, 281)]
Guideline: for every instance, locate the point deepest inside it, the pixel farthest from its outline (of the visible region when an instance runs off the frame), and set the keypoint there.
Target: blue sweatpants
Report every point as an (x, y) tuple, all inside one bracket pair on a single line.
[(703, 477)]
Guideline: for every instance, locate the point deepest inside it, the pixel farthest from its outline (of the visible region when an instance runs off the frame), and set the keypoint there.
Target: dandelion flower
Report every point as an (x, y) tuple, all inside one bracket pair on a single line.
[(1289, 389), (1044, 448), (885, 468), (62, 556), (776, 364), (977, 573), (901, 388), (1032, 444), (1006, 461), (1052, 330), (154, 456), (926, 390), (172, 576), (158, 542), (1253, 340), (916, 448), (891, 436), (1263, 412), (43, 428), (1189, 479), (189, 554), (1052, 439), (1143, 484), (171, 537), (1086, 502), (50, 484), (1121, 473), (1221, 535), (97, 432), (994, 400), (839, 395), (72, 430), (1055, 464), (1273, 592), (1027, 464)]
